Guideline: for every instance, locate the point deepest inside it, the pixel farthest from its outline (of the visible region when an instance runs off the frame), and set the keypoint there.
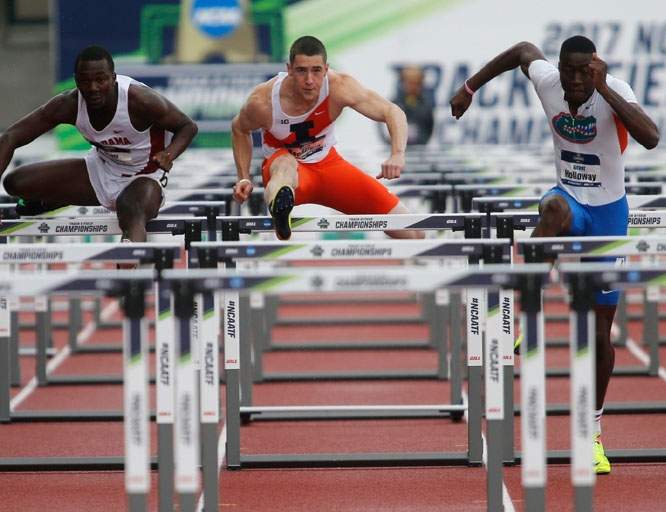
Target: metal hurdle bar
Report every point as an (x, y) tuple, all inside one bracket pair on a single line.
[(582, 279), (132, 287), (186, 284), (208, 255)]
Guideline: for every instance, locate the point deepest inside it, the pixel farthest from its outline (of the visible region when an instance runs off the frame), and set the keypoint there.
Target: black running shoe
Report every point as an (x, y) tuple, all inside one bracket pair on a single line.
[(30, 207), (280, 209)]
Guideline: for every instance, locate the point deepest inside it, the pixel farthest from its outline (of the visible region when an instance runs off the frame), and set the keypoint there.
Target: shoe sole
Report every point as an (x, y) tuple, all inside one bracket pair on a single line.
[(281, 208)]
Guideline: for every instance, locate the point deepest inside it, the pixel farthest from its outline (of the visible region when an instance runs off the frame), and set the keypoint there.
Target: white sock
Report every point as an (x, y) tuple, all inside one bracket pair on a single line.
[(597, 421)]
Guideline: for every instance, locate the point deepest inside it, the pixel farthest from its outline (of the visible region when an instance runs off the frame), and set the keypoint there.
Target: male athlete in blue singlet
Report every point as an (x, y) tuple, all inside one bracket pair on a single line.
[(136, 135), (590, 114)]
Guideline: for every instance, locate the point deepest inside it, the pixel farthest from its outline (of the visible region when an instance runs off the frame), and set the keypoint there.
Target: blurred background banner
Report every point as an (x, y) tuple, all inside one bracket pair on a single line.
[(204, 55), (228, 45)]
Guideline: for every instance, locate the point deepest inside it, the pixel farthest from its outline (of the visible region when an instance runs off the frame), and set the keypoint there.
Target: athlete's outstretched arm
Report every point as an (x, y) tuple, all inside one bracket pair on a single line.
[(521, 54), (158, 111), (637, 122), (252, 116), (60, 109), (351, 93)]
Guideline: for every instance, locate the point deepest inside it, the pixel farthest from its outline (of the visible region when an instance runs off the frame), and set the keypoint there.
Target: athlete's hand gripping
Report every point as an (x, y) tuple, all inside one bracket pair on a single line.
[(598, 68), (460, 103), (242, 190), (163, 160), (392, 167)]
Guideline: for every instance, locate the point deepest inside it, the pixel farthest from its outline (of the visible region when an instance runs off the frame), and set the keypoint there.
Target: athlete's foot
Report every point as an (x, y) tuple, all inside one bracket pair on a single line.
[(517, 343), (601, 464), (280, 209), (30, 207)]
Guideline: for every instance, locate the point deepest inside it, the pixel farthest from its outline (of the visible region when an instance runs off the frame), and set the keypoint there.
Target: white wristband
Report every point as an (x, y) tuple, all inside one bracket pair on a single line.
[(244, 179)]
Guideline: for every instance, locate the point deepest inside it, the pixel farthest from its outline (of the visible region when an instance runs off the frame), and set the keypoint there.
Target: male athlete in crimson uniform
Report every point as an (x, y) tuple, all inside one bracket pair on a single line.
[(590, 114), (130, 127), (296, 111)]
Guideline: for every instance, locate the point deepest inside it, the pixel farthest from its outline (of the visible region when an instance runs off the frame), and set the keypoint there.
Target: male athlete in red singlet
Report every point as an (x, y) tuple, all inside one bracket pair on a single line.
[(295, 111)]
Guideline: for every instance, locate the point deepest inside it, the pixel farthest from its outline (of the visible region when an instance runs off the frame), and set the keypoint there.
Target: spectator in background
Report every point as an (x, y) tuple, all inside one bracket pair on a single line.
[(418, 104)]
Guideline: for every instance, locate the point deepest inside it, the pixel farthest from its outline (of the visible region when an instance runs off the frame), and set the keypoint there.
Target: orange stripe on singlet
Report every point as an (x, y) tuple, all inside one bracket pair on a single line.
[(622, 134)]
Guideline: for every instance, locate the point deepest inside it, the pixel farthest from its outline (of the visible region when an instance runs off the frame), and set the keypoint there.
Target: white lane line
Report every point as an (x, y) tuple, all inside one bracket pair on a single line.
[(643, 356), (221, 452), (63, 354), (506, 497)]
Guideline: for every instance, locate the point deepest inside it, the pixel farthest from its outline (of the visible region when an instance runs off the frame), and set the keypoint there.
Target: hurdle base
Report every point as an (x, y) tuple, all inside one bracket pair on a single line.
[(379, 375), (343, 415), (329, 460), (79, 416), (380, 345), (652, 407), (624, 371), (644, 455), (21, 464)]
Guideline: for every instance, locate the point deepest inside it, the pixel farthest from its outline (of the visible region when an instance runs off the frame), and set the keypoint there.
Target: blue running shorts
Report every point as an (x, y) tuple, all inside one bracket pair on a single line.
[(610, 219)]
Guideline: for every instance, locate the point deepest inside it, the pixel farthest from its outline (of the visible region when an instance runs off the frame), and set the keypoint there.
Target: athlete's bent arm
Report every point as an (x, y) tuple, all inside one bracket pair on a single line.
[(60, 109), (250, 117), (637, 122), (157, 111), (521, 54), (370, 104)]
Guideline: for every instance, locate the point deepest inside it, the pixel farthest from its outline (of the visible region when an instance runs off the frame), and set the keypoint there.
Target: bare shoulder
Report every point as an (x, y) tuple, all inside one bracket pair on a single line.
[(345, 89), (63, 107), (257, 110), (145, 101)]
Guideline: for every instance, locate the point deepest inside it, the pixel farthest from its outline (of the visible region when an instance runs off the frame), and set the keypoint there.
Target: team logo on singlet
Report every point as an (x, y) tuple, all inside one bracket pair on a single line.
[(578, 129)]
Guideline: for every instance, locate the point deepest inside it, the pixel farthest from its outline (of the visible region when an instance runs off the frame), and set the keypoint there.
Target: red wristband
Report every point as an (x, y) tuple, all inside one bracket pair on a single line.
[(468, 89)]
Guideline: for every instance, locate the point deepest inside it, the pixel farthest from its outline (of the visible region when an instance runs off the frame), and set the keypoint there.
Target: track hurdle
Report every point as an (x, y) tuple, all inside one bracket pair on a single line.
[(583, 279), (197, 281), (131, 287)]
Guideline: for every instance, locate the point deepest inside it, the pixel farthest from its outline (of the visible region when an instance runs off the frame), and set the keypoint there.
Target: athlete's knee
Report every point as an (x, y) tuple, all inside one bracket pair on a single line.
[(15, 183), (283, 164), (554, 211)]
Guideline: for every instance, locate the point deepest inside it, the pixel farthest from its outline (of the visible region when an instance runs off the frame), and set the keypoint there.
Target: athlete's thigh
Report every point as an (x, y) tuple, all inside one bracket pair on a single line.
[(57, 181), (141, 195), (349, 190)]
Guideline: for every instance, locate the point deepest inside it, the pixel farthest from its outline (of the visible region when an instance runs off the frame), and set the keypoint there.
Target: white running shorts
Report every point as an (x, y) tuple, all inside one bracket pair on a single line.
[(108, 180)]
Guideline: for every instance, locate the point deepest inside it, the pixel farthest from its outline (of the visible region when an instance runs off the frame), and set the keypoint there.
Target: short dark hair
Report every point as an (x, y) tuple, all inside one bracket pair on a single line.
[(93, 53), (577, 44), (307, 45)]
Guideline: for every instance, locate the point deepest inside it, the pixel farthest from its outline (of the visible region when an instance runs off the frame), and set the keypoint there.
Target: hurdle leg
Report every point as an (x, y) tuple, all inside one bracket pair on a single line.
[(186, 428), (245, 354), (209, 386), (42, 335), (14, 350), (5, 360), (259, 334), (507, 334), (135, 397), (232, 336), (165, 391), (475, 320), (494, 393), (533, 396), (75, 322), (437, 312), (455, 316), (651, 328), (582, 356)]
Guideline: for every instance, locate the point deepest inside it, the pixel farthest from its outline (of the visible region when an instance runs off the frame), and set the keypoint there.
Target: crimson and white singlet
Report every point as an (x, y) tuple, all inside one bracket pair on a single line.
[(308, 137), (127, 150)]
